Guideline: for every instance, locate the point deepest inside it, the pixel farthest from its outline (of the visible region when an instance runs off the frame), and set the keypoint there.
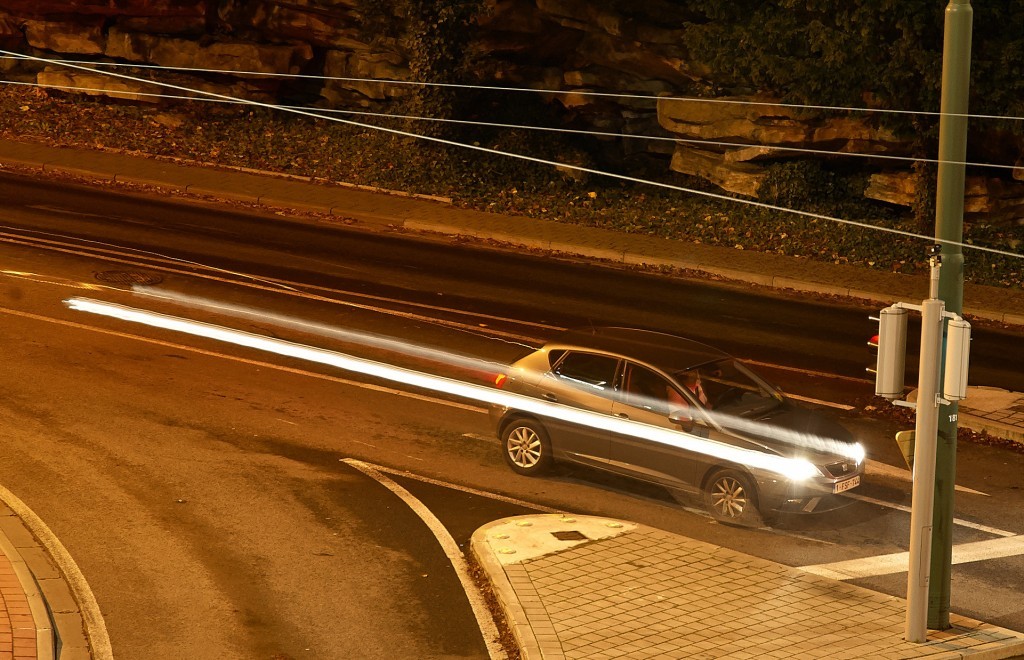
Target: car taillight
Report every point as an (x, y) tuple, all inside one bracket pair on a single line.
[(499, 380)]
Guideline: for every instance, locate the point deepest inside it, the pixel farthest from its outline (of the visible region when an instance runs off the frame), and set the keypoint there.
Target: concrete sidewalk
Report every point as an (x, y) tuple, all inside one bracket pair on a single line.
[(594, 588)]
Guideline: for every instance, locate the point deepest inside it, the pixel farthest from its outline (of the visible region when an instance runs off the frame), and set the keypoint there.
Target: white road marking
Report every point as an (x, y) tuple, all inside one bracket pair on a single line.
[(905, 475), (806, 372), (482, 438), (98, 253), (92, 616), (467, 489), (288, 288), (906, 509), (155, 256), (258, 363), (451, 549), (378, 388), (841, 406), (854, 569), (782, 532), (375, 388)]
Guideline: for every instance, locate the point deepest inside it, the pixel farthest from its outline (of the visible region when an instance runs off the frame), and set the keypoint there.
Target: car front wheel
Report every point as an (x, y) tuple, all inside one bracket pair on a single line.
[(730, 497), (526, 447)]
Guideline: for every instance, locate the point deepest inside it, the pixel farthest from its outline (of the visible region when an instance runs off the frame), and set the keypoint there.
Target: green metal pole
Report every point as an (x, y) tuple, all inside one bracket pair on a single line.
[(949, 226)]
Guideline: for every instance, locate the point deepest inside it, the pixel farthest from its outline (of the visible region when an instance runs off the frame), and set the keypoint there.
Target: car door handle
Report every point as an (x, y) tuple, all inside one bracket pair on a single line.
[(550, 397), (622, 415)]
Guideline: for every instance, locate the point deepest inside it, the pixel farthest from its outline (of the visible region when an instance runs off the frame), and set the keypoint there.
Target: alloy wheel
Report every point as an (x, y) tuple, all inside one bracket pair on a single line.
[(729, 497), (524, 447)]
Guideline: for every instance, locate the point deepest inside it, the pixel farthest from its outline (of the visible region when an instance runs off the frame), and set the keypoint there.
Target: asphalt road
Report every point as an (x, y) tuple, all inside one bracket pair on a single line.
[(797, 331), (203, 488)]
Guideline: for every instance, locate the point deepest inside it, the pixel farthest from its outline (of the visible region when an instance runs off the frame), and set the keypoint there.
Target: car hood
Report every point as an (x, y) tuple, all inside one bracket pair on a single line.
[(790, 430)]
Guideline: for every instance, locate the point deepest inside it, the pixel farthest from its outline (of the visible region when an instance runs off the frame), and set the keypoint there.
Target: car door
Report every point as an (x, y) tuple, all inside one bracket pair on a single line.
[(648, 397), (584, 380)]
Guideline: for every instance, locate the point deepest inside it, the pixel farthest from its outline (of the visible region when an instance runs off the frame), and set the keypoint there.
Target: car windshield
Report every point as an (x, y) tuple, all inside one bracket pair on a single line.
[(727, 386)]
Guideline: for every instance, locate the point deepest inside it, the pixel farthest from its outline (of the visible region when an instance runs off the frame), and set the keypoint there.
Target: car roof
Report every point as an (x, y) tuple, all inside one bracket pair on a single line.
[(669, 353)]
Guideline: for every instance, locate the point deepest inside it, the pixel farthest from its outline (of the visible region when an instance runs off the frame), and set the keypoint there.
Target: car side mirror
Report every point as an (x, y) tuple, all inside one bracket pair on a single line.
[(683, 420)]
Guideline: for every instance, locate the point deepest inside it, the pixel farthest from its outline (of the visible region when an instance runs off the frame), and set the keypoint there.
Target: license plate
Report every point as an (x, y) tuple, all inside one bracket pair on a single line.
[(843, 486)]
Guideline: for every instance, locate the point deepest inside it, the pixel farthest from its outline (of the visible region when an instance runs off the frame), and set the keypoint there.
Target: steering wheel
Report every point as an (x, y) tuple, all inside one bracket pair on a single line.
[(729, 394)]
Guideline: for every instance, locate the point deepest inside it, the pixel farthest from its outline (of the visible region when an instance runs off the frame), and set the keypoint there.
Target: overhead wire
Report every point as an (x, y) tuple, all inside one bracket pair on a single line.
[(542, 161), (570, 131), (536, 90)]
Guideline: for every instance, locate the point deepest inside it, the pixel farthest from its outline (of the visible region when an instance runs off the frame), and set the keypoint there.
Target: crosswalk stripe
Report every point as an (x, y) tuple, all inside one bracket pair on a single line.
[(854, 569)]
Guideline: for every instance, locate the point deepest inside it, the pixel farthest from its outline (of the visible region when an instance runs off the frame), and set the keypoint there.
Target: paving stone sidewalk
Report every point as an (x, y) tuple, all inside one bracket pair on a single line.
[(39, 618), (593, 588)]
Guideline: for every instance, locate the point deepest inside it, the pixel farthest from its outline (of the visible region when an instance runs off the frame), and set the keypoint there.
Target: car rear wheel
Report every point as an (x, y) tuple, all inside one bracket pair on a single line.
[(526, 447), (730, 497)]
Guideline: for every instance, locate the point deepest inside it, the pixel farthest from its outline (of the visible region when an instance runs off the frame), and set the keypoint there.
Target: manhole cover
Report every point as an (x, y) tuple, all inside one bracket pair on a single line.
[(569, 536), (129, 277)]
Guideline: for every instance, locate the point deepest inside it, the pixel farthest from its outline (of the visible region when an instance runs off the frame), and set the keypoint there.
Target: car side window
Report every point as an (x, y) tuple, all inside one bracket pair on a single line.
[(554, 356), (643, 388), (596, 372)]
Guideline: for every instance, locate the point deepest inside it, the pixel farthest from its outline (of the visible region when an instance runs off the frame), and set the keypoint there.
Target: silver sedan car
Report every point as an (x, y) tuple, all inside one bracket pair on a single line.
[(677, 413)]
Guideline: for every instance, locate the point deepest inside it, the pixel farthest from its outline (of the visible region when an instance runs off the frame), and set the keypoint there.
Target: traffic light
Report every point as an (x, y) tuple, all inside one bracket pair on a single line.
[(891, 343), (958, 351)]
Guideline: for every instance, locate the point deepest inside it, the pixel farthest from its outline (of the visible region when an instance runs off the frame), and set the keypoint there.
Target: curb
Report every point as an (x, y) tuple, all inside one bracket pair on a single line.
[(79, 632), (623, 256), (529, 647), (993, 428), (46, 632), (634, 258)]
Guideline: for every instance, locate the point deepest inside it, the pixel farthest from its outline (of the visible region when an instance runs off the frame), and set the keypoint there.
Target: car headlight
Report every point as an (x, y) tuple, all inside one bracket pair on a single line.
[(799, 469), (855, 451)]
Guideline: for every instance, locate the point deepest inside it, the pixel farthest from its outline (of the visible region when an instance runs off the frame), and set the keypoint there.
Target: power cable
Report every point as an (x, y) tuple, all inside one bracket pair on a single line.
[(571, 131), (498, 88), (474, 147)]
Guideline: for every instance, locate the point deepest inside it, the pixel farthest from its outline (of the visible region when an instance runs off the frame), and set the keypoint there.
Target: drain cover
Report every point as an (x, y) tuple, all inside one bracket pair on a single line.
[(129, 277), (569, 536)]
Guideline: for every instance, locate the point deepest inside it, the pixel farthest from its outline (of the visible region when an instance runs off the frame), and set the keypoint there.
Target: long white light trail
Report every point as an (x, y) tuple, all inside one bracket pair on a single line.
[(791, 468), (324, 330)]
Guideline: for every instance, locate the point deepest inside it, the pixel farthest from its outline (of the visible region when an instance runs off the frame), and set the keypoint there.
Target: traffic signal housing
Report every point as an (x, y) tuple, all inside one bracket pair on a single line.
[(890, 364), (958, 352)]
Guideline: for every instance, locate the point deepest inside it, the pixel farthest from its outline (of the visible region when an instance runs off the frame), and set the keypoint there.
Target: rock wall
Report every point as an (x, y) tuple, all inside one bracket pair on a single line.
[(636, 49)]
